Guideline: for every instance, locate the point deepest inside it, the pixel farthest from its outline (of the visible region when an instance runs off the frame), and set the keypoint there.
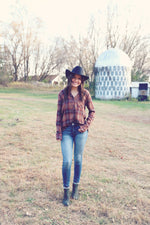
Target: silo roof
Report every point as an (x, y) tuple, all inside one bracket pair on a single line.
[(113, 57)]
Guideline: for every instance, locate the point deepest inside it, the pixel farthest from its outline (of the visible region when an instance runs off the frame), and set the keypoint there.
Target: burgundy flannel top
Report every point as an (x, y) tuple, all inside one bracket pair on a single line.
[(73, 110)]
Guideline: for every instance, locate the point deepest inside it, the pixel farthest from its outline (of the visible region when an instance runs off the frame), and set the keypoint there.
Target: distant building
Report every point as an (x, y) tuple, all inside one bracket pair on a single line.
[(140, 89), (113, 75), (49, 79), (53, 79)]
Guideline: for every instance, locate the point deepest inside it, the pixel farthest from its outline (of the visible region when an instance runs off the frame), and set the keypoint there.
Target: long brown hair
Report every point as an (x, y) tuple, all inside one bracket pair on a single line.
[(80, 88)]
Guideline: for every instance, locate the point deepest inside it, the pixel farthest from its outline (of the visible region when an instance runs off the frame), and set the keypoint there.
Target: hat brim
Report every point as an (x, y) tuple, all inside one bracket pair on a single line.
[(69, 73)]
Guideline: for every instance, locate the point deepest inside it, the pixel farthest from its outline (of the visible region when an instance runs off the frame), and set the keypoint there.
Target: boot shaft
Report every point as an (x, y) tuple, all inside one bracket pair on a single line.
[(75, 194), (66, 198)]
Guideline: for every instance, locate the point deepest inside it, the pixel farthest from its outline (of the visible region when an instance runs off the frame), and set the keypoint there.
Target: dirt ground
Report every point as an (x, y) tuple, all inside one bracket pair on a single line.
[(115, 181)]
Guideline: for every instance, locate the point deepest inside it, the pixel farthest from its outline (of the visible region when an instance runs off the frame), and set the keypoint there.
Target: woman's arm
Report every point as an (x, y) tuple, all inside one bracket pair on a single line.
[(91, 114), (58, 118)]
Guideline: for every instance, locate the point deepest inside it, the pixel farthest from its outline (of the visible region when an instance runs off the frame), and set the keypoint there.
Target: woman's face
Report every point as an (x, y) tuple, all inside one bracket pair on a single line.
[(76, 81)]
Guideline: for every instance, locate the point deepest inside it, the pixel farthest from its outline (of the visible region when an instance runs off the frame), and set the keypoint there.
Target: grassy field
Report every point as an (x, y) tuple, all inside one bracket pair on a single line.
[(115, 181)]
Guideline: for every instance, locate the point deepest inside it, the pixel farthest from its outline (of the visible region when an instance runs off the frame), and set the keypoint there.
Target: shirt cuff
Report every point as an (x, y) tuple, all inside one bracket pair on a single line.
[(58, 136)]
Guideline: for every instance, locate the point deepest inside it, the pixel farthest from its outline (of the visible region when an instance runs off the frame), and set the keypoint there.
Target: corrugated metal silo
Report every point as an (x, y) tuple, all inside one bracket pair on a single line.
[(112, 75)]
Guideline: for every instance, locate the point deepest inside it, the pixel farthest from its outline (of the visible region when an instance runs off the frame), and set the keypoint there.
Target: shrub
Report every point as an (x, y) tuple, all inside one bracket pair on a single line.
[(4, 79)]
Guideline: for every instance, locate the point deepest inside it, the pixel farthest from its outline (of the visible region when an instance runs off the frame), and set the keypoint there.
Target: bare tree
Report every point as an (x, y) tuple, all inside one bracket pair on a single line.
[(31, 45), (83, 51), (112, 34), (5, 69), (130, 40), (52, 60), (89, 46), (13, 46), (27, 50), (36, 56), (71, 52), (20, 39), (19, 46), (141, 66)]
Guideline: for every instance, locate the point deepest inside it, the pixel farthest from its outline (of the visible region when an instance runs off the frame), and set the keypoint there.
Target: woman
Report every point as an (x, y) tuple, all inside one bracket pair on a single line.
[(72, 127)]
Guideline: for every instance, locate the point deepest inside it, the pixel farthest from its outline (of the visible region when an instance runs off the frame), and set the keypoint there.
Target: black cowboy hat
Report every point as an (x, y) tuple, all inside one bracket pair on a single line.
[(76, 70)]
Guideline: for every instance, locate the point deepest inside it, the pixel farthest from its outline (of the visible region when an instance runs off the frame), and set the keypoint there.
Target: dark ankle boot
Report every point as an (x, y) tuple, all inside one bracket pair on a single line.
[(66, 201), (75, 194)]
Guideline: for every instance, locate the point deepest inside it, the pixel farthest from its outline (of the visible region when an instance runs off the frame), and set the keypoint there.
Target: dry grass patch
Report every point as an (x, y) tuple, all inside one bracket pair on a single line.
[(115, 187)]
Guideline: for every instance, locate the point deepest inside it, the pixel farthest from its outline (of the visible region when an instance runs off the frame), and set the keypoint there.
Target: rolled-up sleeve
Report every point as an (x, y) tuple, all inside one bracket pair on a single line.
[(91, 113)]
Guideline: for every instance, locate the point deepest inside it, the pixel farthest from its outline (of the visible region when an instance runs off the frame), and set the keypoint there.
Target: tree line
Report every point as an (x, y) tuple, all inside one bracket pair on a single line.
[(23, 54)]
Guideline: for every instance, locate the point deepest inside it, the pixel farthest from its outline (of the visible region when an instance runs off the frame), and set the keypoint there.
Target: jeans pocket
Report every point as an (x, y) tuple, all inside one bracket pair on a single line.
[(66, 130)]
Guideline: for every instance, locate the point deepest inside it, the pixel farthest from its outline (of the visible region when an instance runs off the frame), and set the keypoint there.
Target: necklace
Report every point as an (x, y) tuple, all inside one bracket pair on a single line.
[(74, 93)]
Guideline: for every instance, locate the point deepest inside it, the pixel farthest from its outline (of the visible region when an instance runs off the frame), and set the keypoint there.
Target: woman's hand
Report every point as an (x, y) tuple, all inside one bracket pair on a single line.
[(82, 128)]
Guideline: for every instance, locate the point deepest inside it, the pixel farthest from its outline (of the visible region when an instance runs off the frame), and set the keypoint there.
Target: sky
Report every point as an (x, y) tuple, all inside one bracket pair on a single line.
[(70, 17)]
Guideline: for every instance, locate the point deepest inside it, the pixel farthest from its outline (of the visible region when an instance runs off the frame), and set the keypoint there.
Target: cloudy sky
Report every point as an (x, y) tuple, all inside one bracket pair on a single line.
[(70, 17)]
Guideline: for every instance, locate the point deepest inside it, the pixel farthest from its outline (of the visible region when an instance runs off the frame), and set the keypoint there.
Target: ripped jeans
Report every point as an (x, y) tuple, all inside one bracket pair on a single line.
[(72, 137)]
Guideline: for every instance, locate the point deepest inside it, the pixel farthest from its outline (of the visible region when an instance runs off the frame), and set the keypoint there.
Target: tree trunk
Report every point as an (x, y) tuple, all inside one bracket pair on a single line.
[(15, 75)]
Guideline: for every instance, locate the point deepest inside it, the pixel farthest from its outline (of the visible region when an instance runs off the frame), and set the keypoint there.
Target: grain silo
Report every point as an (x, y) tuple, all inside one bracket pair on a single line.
[(112, 75)]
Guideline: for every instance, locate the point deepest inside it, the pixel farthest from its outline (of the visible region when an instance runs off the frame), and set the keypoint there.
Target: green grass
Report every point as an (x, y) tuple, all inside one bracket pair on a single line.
[(53, 94), (129, 104), (30, 93)]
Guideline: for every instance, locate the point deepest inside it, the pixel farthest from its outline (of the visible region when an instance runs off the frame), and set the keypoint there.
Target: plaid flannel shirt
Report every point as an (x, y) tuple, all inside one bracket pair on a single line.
[(73, 110)]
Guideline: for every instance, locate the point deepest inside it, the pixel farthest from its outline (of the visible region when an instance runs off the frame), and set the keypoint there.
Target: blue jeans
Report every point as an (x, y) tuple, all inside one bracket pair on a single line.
[(72, 137)]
